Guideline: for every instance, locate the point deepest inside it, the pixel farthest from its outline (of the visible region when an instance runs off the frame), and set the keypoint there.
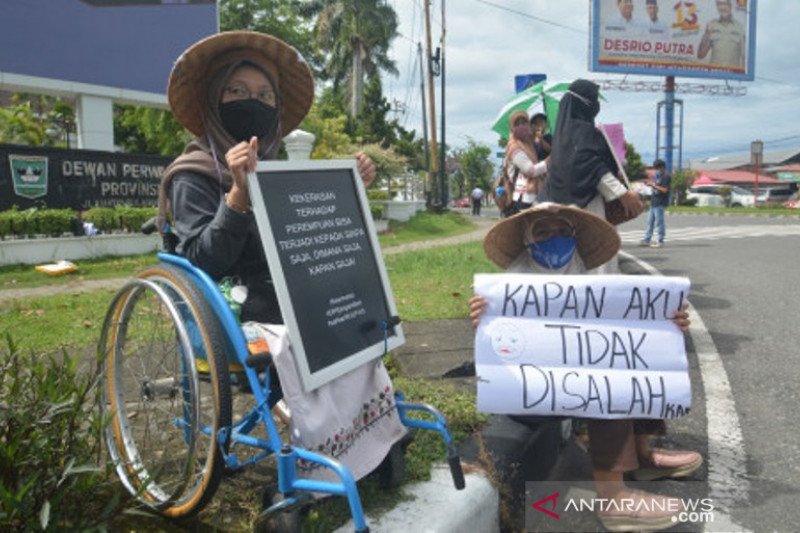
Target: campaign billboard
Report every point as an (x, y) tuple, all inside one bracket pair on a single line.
[(98, 47), (694, 38)]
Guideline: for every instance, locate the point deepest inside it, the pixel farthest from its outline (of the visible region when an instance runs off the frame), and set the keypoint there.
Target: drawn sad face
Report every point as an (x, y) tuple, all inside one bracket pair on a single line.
[(507, 340)]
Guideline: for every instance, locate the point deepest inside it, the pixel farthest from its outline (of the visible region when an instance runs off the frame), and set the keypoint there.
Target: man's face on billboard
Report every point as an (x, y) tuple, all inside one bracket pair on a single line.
[(652, 11), (625, 8), (724, 8)]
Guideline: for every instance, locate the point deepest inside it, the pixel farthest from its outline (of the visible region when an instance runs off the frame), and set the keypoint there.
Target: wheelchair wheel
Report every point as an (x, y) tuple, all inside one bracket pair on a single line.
[(167, 391)]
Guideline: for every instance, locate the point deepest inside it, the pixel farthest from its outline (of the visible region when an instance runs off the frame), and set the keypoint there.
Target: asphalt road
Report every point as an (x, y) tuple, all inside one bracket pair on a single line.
[(746, 289)]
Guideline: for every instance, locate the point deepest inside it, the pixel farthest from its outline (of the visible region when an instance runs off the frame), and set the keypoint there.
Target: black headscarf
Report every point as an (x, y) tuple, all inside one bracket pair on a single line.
[(580, 154)]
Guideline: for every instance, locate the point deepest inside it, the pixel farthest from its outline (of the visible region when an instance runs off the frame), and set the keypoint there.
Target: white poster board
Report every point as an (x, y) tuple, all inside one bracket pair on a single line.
[(582, 346)]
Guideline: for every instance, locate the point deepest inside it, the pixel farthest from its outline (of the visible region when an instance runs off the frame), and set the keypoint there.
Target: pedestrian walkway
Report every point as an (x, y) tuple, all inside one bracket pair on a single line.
[(718, 232), (483, 223)]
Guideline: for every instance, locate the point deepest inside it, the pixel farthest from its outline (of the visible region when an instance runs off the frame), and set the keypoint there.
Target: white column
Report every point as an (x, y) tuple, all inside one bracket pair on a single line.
[(299, 144), (95, 119)]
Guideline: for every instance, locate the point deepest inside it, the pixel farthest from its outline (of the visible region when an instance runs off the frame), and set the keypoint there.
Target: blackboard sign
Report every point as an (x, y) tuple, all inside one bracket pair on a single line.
[(326, 264)]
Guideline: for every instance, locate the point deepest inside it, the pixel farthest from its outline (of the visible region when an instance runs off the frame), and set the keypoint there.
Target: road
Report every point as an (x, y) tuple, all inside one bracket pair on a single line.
[(742, 353)]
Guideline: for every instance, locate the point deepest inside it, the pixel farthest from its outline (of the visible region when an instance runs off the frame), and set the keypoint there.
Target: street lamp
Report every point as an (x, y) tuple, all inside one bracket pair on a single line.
[(756, 153)]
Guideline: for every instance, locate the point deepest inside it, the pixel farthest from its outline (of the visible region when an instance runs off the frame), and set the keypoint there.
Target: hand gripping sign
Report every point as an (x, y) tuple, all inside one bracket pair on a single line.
[(582, 346)]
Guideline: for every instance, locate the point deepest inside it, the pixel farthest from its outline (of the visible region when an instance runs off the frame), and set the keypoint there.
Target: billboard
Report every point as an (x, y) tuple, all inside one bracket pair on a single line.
[(104, 45), (694, 38)]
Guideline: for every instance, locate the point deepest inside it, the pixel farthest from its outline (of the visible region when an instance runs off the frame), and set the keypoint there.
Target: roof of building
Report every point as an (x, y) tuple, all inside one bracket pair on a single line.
[(734, 177), (742, 159)]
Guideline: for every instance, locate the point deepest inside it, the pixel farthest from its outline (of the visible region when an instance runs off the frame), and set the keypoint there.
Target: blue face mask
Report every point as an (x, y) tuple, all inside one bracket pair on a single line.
[(553, 253)]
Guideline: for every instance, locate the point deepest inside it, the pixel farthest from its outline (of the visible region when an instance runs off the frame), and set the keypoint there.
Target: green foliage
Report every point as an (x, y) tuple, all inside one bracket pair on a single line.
[(53, 222), (280, 18), (474, 168), (680, 182), (36, 120), (19, 124), (132, 218), (388, 164), (51, 431), (634, 167), (371, 125), (104, 218), (355, 37), (147, 130), (376, 210)]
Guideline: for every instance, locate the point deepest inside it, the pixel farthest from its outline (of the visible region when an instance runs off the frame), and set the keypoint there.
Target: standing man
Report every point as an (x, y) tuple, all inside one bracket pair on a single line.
[(724, 38), (659, 200), (477, 198)]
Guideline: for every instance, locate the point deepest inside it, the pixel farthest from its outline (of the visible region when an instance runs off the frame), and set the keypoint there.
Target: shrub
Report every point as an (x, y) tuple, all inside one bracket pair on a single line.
[(5, 224), (376, 210), (689, 202), (105, 219), (53, 222), (51, 430), (132, 218)]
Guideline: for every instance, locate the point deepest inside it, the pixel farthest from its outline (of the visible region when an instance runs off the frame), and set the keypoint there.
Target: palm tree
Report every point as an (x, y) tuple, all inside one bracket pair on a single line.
[(355, 35)]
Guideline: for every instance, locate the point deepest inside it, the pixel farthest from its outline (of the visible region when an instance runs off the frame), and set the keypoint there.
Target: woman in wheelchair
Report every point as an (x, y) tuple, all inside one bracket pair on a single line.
[(239, 93)]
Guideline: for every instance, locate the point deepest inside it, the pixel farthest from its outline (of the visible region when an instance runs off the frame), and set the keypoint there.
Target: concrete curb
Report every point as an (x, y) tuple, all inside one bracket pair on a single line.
[(435, 506)]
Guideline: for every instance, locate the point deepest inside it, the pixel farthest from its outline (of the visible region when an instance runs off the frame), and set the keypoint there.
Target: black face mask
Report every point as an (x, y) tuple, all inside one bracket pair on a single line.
[(244, 119)]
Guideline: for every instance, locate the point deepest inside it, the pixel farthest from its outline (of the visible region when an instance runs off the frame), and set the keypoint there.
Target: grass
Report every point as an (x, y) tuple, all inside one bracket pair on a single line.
[(425, 225), (21, 276), (436, 283), (49, 323), (761, 211)]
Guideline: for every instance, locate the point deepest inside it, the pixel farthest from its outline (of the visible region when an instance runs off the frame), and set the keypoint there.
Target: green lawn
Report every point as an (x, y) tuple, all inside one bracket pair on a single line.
[(436, 283), (424, 226)]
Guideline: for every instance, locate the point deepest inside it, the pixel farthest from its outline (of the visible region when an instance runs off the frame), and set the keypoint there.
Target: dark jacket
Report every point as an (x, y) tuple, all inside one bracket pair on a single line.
[(223, 243)]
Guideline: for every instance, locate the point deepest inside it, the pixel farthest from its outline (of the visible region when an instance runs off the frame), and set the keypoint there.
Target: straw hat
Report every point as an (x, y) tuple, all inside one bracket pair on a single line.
[(597, 240), (192, 72)]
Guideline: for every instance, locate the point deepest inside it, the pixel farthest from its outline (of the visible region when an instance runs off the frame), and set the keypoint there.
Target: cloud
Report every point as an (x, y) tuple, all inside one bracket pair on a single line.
[(487, 45)]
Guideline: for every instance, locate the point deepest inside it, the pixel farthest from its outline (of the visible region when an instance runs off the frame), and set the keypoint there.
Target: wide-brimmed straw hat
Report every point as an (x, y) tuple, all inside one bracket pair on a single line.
[(189, 80), (597, 240)]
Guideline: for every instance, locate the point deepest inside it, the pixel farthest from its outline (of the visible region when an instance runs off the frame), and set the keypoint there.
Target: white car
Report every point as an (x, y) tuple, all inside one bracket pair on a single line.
[(709, 196)]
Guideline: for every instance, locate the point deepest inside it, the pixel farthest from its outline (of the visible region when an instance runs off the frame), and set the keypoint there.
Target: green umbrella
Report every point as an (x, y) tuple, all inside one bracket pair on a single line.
[(527, 99)]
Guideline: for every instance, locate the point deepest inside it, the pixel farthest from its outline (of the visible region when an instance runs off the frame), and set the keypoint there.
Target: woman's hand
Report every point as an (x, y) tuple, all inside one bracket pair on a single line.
[(241, 160), (681, 318), (477, 305), (366, 168), (631, 203)]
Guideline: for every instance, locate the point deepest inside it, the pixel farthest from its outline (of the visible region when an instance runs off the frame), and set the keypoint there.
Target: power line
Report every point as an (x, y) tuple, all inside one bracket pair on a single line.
[(534, 17)]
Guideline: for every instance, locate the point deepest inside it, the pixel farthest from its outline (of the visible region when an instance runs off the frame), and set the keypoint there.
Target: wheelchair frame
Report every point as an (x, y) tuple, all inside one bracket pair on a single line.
[(177, 284)]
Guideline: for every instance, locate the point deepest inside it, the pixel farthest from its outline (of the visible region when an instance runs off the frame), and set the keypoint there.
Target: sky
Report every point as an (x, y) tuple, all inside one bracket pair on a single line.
[(488, 42)]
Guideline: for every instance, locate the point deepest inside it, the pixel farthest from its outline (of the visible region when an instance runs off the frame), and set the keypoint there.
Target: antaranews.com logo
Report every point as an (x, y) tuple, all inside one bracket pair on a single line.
[(581, 506)]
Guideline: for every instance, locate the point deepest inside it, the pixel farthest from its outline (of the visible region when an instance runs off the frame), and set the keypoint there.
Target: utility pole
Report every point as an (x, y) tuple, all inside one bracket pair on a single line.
[(431, 95), (445, 189), (424, 127)]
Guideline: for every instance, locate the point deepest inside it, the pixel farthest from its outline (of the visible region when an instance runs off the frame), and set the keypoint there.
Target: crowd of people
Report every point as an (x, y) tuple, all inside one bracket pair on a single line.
[(239, 93)]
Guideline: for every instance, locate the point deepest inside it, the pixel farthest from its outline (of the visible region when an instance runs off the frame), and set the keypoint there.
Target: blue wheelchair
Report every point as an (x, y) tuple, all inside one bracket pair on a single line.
[(172, 348)]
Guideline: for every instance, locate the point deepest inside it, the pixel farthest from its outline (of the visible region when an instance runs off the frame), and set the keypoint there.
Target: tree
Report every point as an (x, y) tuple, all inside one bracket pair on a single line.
[(634, 167), (355, 36), (475, 168), (371, 126), (681, 181), (36, 120), (147, 130), (282, 18)]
